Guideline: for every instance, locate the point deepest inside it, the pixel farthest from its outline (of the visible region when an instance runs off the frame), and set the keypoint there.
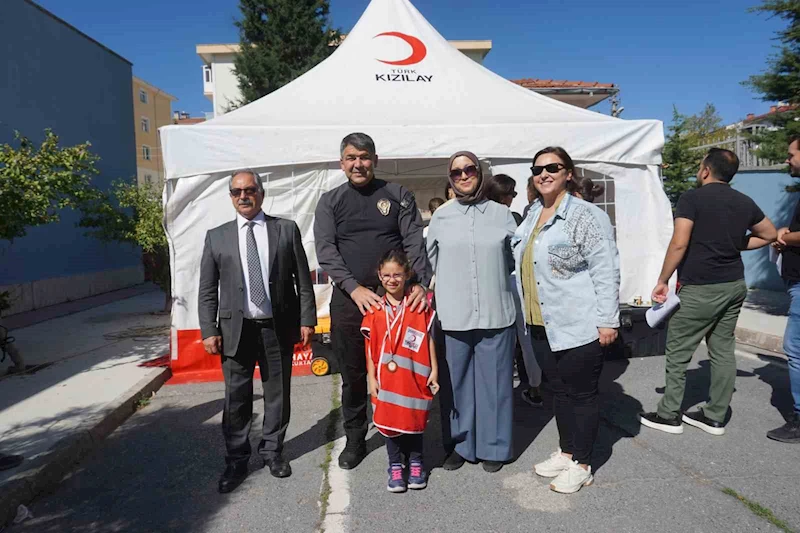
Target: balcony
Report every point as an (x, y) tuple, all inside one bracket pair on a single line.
[(208, 82)]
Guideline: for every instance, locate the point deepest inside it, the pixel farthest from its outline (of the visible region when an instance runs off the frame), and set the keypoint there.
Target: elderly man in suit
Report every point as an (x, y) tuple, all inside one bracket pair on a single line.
[(255, 302)]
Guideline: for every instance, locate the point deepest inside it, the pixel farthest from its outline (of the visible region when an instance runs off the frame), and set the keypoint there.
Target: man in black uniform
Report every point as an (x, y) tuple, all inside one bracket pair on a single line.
[(355, 224)]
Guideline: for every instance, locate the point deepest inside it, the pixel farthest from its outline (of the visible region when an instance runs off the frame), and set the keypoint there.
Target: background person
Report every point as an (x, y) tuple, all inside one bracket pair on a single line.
[(789, 246), (711, 224), (586, 190), (500, 188)]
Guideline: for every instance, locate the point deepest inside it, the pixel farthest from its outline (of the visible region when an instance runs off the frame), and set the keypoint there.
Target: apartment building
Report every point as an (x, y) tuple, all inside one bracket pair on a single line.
[(152, 108)]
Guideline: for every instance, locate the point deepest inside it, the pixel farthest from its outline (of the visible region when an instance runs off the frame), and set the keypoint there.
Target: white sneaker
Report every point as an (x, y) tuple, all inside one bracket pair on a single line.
[(572, 479), (553, 466)]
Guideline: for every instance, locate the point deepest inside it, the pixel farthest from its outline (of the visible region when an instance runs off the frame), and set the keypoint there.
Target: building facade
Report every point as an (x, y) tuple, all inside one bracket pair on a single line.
[(152, 108), (56, 77)]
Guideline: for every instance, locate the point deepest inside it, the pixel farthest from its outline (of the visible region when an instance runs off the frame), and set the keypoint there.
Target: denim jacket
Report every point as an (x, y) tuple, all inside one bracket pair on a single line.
[(576, 265)]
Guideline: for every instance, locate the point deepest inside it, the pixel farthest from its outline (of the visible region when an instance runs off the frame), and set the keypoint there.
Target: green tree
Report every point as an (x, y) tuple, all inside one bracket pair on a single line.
[(700, 127), (280, 40), (680, 161), (134, 215), (36, 182), (780, 82)]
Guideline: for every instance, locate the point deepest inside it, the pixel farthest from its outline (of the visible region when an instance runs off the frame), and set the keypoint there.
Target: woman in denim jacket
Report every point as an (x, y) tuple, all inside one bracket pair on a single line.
[(568, 282), (469, 246)]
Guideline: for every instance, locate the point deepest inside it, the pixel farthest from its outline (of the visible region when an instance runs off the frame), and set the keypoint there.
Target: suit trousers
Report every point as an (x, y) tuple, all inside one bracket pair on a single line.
[(348, 345), (258, 344), (481, 367)]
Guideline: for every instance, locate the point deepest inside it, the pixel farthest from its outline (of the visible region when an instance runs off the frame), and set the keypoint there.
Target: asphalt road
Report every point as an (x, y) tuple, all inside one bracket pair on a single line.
[(158, 472)]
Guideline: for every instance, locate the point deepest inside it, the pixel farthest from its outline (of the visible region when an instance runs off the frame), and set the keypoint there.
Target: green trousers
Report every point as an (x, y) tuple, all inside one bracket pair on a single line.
[(709, 311)]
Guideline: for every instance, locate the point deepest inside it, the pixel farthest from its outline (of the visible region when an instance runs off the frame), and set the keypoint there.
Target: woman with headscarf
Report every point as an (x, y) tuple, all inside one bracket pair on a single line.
[(469, 249)]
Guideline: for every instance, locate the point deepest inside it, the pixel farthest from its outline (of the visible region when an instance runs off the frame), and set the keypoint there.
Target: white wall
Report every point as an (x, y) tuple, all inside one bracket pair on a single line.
[(226, 86)]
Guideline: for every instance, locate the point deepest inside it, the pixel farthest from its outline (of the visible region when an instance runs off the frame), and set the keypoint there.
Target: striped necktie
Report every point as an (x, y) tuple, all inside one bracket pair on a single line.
[(257, 292)]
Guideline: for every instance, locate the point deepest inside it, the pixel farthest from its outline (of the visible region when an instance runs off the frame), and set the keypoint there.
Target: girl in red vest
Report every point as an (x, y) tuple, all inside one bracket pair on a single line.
[(402, 371)]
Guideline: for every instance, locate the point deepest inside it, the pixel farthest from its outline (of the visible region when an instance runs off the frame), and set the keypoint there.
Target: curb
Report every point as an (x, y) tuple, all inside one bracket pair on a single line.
[(46, 471), (758, 339)]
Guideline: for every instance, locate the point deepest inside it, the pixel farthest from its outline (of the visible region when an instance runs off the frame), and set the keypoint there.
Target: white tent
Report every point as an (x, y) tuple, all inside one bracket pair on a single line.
[(397, 79)]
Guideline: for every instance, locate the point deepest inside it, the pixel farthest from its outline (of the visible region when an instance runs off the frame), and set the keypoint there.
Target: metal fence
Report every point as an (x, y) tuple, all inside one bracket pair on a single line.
[(739, 143)]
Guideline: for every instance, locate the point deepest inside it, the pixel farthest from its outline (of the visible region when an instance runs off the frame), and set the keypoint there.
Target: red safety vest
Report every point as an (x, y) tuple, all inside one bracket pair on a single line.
[(400, 337)]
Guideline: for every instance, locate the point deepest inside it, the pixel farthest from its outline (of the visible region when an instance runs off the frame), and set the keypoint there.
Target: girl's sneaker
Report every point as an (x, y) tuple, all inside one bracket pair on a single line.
[(417, 477), (396, 481)]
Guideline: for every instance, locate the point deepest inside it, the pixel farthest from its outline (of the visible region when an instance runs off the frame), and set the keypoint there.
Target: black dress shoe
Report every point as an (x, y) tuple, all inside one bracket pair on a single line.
[(354, 452), (453, 461), (233, 476), (492, 466), (278, 466), (7, 462)]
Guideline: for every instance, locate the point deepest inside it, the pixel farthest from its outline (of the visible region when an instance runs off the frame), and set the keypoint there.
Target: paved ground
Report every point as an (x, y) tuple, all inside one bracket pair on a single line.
[(94, 357), (158, 472)]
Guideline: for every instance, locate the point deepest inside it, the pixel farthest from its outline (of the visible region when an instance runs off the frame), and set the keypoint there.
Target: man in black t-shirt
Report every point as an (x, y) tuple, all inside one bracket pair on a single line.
[(789, 245), (711, 229)]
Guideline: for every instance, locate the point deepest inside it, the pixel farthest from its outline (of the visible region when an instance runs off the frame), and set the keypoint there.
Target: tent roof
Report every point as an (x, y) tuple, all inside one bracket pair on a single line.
[(396, 78)]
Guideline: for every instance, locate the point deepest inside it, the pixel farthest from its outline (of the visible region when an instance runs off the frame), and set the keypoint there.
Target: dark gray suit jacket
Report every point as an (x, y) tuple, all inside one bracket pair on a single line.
[(290, 288)]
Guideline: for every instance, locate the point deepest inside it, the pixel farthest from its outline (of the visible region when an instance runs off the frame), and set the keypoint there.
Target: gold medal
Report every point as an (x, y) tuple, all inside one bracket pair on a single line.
[(391, 366), (384, 206)]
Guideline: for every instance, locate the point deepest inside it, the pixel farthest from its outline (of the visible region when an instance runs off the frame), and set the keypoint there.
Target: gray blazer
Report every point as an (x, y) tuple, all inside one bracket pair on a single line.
[(219, 304)]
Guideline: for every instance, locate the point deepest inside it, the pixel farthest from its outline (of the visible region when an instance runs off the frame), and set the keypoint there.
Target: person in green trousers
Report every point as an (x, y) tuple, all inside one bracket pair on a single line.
[(713, 224)]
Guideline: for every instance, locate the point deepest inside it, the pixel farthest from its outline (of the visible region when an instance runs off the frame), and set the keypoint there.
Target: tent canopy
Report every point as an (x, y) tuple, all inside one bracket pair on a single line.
[(421, 100), (436, 102)]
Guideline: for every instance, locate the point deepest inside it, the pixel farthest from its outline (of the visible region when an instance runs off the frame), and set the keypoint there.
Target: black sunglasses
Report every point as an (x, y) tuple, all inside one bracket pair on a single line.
[(552, 168), (470, 170), (249, 191)]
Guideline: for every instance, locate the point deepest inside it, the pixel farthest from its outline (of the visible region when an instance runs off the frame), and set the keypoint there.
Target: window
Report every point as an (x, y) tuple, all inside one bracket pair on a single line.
[(145, 152), (207, 73), (148, 179), (143, 96), (145, 124)]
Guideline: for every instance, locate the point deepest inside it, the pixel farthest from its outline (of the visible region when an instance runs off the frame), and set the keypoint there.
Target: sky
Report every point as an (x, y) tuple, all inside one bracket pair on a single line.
[(660, 53)]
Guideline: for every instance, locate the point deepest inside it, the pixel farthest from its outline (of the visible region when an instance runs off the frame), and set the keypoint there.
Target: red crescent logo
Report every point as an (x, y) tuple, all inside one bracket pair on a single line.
[(418, 49)]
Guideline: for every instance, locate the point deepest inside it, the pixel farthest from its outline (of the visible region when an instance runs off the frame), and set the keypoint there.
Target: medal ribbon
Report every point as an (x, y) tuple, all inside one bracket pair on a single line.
[(398, 317)]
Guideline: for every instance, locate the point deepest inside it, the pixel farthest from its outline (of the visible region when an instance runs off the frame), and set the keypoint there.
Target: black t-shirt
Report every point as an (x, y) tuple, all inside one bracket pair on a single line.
[(790, 268), (721, 217)]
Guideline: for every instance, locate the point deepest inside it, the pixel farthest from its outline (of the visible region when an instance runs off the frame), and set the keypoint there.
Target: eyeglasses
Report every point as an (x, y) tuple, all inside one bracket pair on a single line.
[(552, 168), (387, 277), (249, 191), (470, 171), (513, 194)]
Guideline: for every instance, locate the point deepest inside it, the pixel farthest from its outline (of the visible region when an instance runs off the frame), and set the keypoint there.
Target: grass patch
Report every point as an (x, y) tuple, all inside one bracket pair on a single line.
[(141, 403), (759, 510), (330, 437)]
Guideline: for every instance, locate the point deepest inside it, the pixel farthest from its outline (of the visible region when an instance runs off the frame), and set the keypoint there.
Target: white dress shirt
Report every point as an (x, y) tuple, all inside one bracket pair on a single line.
[(250, 309)]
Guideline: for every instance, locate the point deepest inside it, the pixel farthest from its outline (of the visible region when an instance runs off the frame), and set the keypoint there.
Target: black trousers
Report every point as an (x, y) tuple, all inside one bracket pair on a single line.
[(573, 376), (349, 349), (407, 446), (258, 344)]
